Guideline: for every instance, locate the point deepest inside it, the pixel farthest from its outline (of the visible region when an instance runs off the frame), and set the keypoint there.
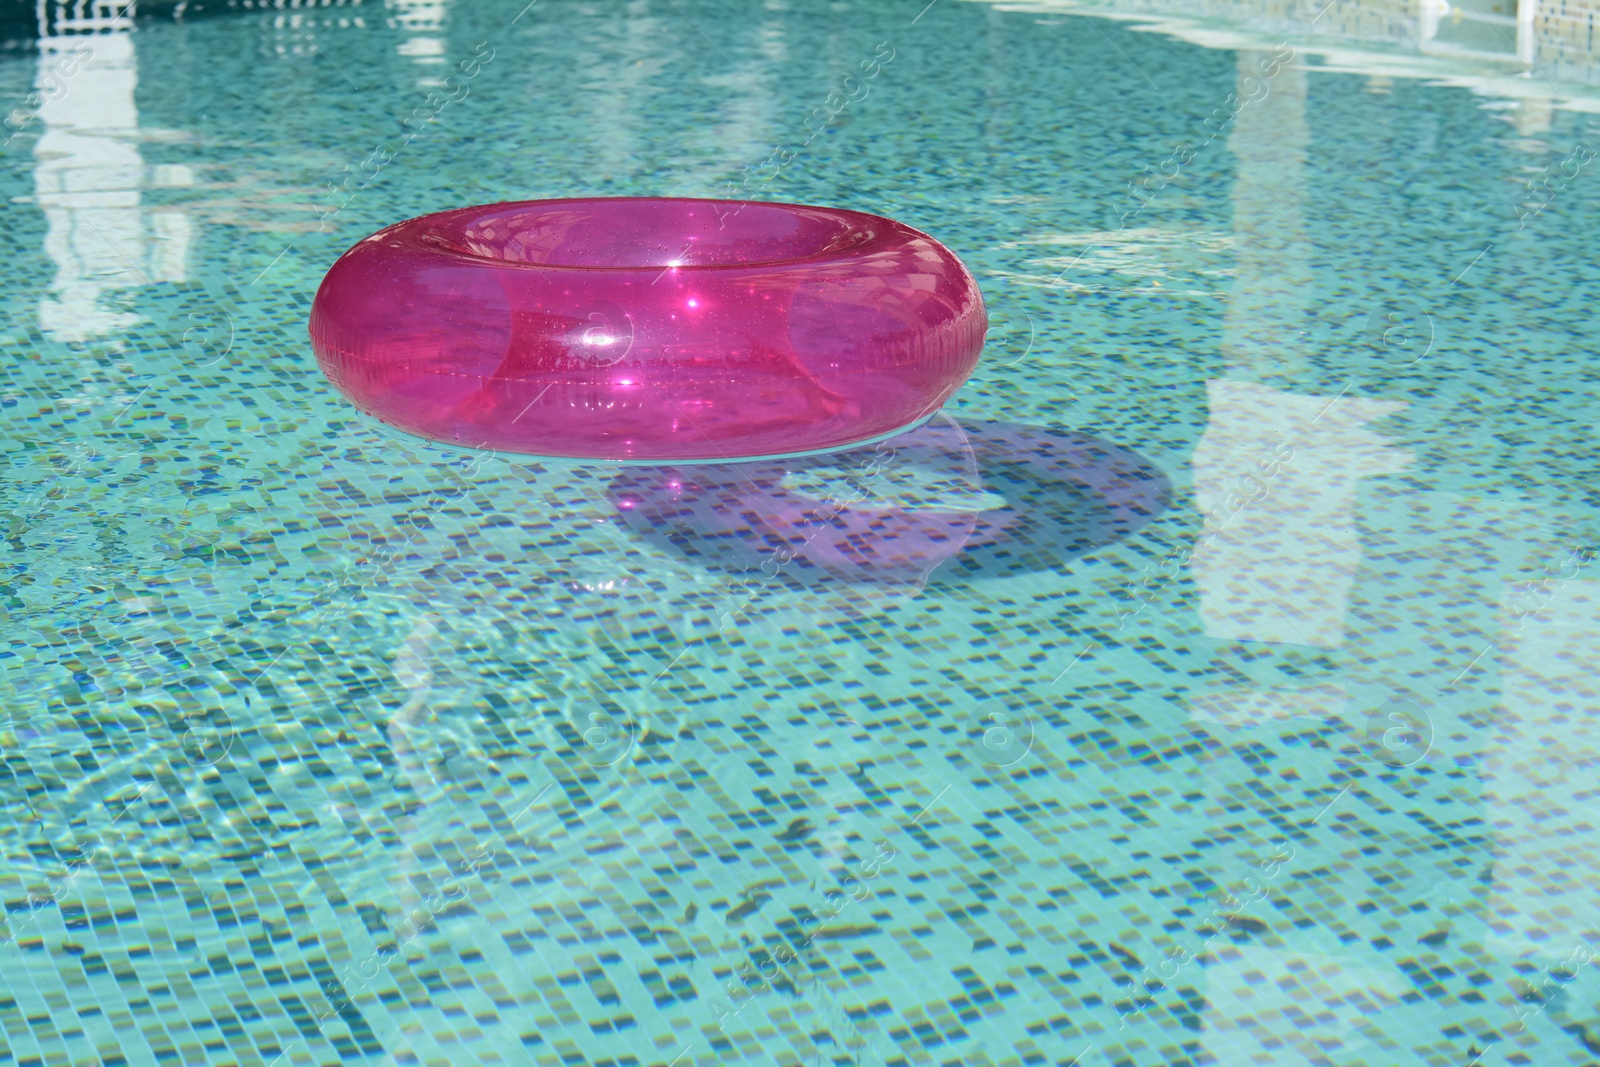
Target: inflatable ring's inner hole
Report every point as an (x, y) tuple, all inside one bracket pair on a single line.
[(651, 234)]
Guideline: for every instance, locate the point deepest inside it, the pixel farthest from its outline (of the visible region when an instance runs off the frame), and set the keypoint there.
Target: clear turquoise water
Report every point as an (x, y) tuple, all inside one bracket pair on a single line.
[(325, 745)]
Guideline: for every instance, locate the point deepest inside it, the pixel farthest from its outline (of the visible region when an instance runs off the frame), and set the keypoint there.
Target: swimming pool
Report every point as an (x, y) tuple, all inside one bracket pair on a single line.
[(1208, 683)]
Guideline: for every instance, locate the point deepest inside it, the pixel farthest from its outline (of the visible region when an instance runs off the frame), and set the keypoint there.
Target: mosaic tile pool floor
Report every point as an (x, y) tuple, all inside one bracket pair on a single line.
[(1212, 682)]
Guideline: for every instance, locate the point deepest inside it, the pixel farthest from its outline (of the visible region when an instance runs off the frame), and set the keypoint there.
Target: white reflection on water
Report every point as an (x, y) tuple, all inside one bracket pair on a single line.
[(1542, 766), (1280, 567), (87, 182)]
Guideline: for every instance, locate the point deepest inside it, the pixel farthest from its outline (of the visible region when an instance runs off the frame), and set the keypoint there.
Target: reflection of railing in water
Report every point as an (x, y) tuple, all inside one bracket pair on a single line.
[(54, 18), (57, 17)]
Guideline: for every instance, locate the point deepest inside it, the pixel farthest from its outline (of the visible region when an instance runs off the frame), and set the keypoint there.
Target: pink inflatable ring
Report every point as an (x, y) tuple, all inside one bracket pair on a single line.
[(649, 329)]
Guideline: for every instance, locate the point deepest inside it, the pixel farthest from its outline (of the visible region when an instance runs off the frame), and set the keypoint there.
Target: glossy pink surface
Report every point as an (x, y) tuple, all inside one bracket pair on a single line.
[(648, 329)]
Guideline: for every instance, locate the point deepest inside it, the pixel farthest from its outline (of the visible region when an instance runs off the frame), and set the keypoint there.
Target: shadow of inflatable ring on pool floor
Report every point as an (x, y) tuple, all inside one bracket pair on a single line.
[(950, 502)]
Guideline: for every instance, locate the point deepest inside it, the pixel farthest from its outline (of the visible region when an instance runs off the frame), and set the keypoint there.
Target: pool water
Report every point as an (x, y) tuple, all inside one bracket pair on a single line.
[(1210, 682)]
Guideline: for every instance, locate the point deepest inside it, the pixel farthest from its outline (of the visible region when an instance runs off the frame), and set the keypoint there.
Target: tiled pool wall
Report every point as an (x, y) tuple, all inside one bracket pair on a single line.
[(1561, 40), (1567, 36)]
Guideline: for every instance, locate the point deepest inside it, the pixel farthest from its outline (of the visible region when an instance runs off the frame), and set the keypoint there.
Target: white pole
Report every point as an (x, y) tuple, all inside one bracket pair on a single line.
[(1428, 12), (1527, 10)]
